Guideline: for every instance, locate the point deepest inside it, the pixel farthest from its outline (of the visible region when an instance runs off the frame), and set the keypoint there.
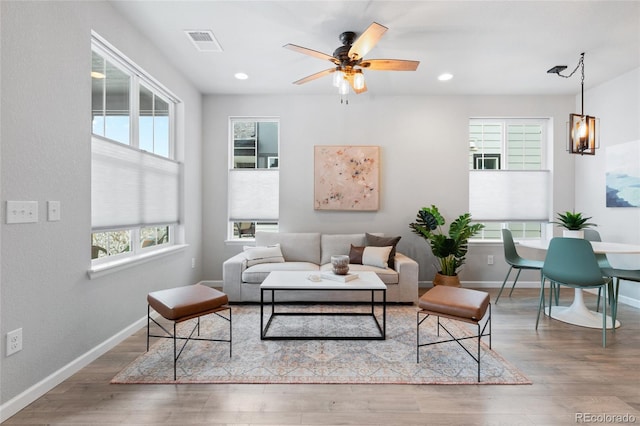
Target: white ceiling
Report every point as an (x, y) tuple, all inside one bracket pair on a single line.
[(491, 47)]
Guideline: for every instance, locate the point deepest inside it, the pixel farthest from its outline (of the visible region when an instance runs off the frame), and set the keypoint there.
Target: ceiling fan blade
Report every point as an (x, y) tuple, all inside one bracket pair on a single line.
[(350, 77), (390, 64), (366, 41), (310, 52), (315, 76)]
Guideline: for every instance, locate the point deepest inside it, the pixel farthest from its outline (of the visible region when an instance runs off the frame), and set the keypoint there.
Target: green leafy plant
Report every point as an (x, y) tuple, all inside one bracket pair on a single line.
[(450, 249), (573, 221)]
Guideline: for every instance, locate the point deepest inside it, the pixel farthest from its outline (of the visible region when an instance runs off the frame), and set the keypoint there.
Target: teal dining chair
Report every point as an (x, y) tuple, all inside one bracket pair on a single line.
[(571, 262), (515, 261), (593, 235), (617, 275), (603, 261)]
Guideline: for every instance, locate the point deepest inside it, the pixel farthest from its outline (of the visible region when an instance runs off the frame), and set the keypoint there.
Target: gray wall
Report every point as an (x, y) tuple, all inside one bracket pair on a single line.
[(45, 155), (424, 161), (617, 104)]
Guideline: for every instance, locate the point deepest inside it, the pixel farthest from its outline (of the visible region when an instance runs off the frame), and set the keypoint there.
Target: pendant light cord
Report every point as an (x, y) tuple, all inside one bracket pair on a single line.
[(581, 66)]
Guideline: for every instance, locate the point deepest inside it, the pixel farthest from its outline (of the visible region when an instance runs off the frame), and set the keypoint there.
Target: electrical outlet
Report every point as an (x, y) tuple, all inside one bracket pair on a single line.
[(193, 262), (490, 260), (14, 341)]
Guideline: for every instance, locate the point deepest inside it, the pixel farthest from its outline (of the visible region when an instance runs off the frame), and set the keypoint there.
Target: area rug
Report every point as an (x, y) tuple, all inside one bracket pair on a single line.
[(390, 361)]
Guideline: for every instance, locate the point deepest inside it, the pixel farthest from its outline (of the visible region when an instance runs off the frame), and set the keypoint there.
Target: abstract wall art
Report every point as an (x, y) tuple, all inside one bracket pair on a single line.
[(346, 177), (623, 175)]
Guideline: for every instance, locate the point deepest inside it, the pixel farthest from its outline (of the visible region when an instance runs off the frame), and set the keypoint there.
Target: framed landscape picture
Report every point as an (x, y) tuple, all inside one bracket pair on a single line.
[(346, 177), (623, 175)]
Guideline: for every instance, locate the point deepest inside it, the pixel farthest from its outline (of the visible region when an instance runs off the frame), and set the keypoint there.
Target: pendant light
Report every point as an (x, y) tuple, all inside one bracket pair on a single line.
[(583, 129)]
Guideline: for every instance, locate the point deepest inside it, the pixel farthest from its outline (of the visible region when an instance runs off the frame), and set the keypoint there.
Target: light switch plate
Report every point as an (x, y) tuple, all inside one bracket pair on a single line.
[(53, 210), (22, 211)]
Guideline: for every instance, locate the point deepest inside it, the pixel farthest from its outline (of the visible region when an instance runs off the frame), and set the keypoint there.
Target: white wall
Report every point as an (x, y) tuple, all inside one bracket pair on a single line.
[(45, 155), (424, 161), (617, 104)]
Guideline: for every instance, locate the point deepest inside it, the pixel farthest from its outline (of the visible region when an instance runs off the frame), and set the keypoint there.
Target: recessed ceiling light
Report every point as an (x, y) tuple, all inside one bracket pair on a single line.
[(445, 77), (241, 76)]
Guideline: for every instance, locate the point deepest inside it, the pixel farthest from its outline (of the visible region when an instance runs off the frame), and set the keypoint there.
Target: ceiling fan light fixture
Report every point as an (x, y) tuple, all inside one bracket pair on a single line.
[(349, 62), (358, 80), (337, 78), (241, 76), (445, 76), (343, 88)]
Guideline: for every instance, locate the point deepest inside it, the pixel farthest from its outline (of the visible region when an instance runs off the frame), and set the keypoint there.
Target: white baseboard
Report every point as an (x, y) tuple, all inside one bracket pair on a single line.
[(485, 284), (17, 403), (625, 300), (212, 283)]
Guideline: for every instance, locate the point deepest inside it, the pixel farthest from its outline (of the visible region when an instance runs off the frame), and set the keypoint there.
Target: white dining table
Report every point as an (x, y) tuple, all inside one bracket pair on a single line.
[(578, 313)]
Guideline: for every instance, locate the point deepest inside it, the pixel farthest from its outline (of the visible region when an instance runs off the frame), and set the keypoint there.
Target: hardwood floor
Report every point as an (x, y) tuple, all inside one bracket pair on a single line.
[(572, 376)]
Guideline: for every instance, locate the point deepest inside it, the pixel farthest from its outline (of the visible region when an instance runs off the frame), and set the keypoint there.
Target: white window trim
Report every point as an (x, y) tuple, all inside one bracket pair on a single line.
[(137, 255), (120, 263)]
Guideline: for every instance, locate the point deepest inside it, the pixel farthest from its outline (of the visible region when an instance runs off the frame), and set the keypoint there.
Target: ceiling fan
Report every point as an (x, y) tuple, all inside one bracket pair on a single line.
[(349, 60)]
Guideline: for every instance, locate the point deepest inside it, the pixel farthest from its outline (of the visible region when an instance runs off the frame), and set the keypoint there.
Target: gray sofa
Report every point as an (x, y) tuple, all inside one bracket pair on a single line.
[(312, 252)]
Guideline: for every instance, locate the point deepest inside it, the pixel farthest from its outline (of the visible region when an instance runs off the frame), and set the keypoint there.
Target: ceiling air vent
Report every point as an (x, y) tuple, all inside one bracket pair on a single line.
[(204, 40)]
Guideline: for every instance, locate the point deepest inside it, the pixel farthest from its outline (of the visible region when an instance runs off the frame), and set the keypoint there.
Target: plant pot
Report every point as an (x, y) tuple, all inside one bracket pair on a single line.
[(567, 233), (448, 280)]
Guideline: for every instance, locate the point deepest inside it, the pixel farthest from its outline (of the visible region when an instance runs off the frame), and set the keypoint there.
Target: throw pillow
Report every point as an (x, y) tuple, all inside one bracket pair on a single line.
[(355, 255), (376, 256), (270, 254), (374, 240), (371, 256)]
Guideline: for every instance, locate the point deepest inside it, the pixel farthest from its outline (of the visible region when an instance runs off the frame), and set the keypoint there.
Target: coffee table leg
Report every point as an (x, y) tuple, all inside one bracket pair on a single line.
[(384, 314), (273, 302), (261, 314)]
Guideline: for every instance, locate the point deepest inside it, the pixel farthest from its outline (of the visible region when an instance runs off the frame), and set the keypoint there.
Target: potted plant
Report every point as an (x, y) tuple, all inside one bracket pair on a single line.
[(450, 249), (573, 224)]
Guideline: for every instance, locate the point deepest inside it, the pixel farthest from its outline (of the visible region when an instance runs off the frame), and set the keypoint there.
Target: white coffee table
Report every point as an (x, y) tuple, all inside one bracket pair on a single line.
[(282, 281)]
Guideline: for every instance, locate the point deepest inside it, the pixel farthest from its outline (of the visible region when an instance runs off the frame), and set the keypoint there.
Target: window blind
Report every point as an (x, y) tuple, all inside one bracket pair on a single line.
[(131, 188), (254, 195), (509, 195)]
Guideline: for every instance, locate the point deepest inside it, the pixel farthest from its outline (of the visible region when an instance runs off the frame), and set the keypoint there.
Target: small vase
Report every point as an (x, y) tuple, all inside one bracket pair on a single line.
[(340, 264), (568, 233), (448, 280)]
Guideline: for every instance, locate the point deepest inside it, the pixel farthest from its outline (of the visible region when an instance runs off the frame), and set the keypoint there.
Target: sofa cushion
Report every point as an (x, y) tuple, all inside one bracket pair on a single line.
[(295, 246), (256, 255), (375, 240), (257, 273), (336, 244)]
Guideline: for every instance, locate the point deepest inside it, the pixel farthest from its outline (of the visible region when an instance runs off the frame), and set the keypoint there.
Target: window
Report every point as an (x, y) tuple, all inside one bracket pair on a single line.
[(135, 189), (254, 176), (508, 180), (110, 100)]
